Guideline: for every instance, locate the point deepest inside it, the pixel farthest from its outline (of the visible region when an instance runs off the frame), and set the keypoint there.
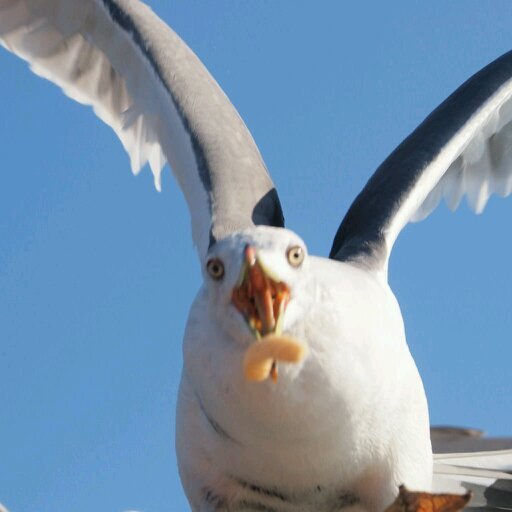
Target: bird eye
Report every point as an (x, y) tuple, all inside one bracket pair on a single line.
[(295, 255), (215, 269)]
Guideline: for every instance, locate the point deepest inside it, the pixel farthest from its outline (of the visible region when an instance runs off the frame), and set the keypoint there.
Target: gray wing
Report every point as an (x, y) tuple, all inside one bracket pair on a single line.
[(464, 147), (467, 460), (144, 81), (459, 440)]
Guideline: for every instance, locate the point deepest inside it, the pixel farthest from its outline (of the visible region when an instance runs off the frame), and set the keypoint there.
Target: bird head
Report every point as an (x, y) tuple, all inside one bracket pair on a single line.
[(254, 280)]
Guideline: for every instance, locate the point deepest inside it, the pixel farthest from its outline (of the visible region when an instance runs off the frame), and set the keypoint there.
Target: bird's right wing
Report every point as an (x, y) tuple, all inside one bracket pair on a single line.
[(146, 83)]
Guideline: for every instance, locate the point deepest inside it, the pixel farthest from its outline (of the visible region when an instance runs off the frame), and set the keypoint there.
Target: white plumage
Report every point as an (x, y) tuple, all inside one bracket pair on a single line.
[(349, 424), (483, 164)]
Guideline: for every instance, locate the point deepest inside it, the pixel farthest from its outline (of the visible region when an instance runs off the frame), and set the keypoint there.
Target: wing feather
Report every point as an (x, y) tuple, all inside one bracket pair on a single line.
[(143, 81), (486, 474), (464, 147)]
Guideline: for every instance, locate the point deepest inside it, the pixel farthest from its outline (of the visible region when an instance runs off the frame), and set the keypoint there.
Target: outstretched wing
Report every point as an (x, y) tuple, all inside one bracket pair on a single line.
[(144, 81), (464, 147)]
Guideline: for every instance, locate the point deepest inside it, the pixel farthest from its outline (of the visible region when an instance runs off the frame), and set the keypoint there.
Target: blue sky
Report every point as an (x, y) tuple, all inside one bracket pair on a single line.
[(97, 270)]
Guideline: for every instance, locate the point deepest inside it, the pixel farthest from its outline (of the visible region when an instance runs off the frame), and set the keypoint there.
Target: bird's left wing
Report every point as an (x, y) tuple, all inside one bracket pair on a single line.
[(464, 147), (144, 81)]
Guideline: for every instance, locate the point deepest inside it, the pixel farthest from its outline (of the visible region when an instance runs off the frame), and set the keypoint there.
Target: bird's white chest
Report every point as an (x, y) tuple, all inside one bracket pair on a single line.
[(331, 423)]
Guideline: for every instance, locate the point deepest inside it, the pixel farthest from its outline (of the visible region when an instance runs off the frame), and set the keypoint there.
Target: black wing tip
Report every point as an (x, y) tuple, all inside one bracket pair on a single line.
[(268, 211)]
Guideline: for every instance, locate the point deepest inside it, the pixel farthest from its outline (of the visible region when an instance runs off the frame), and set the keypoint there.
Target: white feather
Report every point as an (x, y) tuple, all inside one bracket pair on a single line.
[(476, 162), (486, 474), (77, 46), (483, 167)]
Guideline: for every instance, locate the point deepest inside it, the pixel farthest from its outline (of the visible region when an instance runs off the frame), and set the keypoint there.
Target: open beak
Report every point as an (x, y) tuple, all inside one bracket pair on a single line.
[(260, 298)]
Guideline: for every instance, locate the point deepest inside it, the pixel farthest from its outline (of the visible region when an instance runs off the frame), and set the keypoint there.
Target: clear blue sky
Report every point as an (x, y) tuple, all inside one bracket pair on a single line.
[(97, 270)]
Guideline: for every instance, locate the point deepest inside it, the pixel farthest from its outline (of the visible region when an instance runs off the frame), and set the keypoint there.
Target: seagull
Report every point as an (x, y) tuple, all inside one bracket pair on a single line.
[(346, 423)]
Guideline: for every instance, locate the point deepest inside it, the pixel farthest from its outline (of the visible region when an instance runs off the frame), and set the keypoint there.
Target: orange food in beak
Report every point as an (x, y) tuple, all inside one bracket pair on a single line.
[(261, 299), (261, 358)]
